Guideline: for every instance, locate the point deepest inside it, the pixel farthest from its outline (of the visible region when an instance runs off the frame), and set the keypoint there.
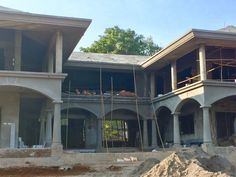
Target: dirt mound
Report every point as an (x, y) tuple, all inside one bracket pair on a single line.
[(145, 166), (191, 164)]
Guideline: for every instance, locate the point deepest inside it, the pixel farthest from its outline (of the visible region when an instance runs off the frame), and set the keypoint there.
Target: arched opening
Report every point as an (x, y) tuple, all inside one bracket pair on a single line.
[(165, 124), (121, 129), (190, 122), (79, 129), (22, 117), (223, 121)]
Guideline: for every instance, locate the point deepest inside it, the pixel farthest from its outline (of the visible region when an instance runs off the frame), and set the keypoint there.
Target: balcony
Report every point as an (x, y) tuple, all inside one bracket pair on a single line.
[(48, 84)]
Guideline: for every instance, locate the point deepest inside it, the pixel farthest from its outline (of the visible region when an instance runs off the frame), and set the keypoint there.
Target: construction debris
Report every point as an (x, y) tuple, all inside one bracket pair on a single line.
[(125, 159), (190, 164), (144, 167)]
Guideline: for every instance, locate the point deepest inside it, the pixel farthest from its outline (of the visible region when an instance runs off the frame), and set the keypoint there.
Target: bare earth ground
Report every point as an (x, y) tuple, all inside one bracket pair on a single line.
[(91, 170), (189, 163)]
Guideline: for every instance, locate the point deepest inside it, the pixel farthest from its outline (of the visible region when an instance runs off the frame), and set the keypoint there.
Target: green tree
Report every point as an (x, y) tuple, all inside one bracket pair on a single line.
[(119, 41)]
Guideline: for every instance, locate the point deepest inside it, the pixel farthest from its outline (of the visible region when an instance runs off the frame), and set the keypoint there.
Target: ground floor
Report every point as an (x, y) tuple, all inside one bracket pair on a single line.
[(32, 120)]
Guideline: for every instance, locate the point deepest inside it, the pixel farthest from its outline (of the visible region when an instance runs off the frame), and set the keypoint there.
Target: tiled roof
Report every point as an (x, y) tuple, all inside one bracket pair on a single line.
[(107, 58)]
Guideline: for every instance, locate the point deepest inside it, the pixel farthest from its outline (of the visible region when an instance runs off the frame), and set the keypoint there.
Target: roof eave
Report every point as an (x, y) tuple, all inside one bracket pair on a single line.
[(44, 19), (174, 45)]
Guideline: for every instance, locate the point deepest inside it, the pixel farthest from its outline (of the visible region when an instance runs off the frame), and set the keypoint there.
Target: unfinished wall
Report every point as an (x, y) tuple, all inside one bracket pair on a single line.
[(9, 104)]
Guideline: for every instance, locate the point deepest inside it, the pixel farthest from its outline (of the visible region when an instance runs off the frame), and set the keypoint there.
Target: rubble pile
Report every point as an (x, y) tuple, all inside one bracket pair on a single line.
[(190, 164)]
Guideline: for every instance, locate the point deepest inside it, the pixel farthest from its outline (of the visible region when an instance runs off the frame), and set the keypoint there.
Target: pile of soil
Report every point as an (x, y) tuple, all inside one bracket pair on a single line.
[(145, 166), (188, 164)]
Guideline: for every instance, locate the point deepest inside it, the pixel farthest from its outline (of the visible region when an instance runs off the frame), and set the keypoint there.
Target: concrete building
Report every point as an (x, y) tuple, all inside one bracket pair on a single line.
[(183, 95)]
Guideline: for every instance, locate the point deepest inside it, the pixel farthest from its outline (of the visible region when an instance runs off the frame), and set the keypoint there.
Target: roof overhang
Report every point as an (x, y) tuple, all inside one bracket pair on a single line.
[(187, 43), (43, 25), (97, 65)]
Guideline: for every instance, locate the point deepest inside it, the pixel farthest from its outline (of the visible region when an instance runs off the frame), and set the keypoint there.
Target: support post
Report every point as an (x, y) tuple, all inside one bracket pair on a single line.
[(145, 134), (42, 130), (99, 134), (173, 76), (202, 62), (17, 56), (152, 85), (49, 129), (154, 134), (59, 52), (206, 126), (13, 135), (50, 63), (56, 141), (176, 129)]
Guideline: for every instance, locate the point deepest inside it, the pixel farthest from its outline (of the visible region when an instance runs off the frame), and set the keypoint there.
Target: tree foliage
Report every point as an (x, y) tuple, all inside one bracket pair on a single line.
[(119, 41)]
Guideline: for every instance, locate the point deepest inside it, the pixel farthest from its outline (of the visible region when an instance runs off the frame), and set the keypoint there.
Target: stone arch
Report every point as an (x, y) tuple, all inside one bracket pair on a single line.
[(180, 104), (79, 128), (48, 94), (223, 120), (165, 125), (220, 96), (131, 132), (190, 121), (126, 111), (76, 105), (161, 106), (132, 108)]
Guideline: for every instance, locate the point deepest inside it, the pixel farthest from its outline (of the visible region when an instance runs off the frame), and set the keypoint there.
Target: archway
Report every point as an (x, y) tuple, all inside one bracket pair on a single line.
[(122, 129), (22, 117), (223, 121), (190, 122), (79, 129), (165, 124)]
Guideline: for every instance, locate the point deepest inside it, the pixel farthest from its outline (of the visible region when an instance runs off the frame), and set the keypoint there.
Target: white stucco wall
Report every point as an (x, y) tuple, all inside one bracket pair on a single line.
[(9, 105)]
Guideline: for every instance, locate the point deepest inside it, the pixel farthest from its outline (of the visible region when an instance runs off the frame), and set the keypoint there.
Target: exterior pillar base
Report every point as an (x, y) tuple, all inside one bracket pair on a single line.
[(208, 148), (56, 150)]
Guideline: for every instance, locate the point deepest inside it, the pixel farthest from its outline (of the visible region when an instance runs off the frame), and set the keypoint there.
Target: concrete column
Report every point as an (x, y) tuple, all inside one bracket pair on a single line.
[(152, 85), (145, 134), (176, 129), (202, 63), (42, 130), (13, 135), (59, 52), (99, 133), (206, 125), (50, 63), (173, 76), (154, 134), (17, 56), (49, 128), (56, 140)]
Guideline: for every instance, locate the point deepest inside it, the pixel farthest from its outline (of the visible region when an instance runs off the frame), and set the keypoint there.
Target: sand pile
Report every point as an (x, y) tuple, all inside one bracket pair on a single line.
[(191, 164)]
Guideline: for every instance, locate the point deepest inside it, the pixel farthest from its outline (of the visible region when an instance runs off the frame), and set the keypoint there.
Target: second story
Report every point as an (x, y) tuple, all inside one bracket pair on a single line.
[(93, 74), (37, 43), (198, 57)]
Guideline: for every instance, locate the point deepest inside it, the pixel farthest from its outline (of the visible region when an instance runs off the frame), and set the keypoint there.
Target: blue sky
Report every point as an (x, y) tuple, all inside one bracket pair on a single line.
[(164, 20)]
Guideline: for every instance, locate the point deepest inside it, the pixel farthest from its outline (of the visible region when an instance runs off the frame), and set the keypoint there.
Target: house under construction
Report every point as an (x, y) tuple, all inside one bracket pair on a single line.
[(54, 97)]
